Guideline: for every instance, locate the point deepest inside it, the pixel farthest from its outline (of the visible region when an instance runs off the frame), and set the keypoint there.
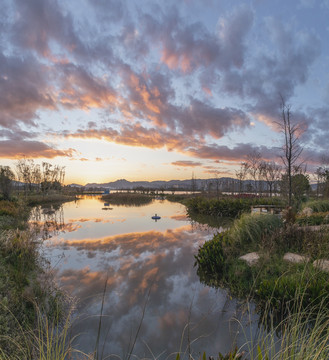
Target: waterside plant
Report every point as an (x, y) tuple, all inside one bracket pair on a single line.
[(270, 276), (226, 206)]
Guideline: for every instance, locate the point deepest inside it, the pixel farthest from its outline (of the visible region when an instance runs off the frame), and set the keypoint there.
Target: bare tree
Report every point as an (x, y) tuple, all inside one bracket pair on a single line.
[(271, 172), (291, 148), (24, 170), (241, 174), (252, 163)]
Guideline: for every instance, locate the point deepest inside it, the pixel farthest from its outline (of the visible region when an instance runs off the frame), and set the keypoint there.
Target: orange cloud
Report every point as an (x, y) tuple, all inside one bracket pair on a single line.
[(175, 60), (17, 149)]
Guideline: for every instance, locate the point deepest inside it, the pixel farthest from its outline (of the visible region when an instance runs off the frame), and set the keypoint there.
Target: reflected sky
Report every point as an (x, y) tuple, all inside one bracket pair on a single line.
[(146, 266)]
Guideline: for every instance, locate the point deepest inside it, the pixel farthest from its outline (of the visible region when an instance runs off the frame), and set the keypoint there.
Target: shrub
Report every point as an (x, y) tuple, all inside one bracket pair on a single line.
[(210, 260), (317, 218), (309, 286), (317, 205), (8, 208)]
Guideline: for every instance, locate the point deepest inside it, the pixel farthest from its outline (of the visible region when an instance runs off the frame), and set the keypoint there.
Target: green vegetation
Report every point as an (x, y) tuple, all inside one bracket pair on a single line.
[(250, 230), (127, 199), (317, 205), (303, 335), (270, 277), (226, 206), (24, 287), (52, 198), (318, 218), (28, 295)]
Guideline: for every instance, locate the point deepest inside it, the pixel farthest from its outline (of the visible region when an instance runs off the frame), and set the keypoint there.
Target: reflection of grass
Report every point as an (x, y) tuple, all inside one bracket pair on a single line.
[(127, 199), (212, 221)]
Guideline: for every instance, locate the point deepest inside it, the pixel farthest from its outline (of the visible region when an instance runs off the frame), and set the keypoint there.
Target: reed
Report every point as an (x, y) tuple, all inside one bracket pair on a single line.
[(252, 228)]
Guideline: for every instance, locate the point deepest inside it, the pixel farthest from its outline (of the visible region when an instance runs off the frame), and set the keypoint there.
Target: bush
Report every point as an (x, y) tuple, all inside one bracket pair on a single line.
[(317, 218), (8, 208), (210, 260), (309, 286)]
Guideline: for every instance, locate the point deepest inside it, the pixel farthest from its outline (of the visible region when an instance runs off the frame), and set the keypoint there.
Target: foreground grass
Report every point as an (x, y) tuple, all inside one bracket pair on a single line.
[(24, 281), (302, 335)]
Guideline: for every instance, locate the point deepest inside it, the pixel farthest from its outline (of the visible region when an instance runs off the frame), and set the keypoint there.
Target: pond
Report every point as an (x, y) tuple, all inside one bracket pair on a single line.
[(153, 304)]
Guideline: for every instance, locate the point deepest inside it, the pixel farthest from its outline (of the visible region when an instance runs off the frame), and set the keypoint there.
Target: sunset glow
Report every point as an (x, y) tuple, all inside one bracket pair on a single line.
[(156, 90)]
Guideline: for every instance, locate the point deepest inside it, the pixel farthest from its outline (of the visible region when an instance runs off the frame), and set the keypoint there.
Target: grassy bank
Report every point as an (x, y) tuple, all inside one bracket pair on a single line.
[(271, 278), (25, 285), (39, 199), (226, 206)]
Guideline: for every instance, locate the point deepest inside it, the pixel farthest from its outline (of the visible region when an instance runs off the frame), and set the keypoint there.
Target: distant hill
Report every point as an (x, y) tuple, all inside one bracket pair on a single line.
[(223, 184)]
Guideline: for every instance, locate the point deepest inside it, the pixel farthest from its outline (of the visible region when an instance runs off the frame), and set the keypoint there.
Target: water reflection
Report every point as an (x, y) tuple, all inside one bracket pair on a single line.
[(135, 256)]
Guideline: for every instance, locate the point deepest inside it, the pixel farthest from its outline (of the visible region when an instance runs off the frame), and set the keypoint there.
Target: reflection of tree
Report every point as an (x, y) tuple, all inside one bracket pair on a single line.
[(48, 220)]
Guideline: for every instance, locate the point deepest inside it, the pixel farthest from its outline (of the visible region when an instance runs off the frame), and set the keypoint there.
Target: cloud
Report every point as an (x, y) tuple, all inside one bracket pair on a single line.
[(186, 163), (196, 84), (237, 153), (11, 149), (80, 89), (41, 22), (23, 91), (136, 263)]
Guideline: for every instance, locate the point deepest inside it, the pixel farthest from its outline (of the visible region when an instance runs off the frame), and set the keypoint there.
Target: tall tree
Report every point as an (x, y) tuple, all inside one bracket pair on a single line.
[(291, 149)]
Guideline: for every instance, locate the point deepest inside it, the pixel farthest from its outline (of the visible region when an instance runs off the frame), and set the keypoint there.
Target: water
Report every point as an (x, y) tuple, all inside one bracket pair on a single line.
[(153, 293)]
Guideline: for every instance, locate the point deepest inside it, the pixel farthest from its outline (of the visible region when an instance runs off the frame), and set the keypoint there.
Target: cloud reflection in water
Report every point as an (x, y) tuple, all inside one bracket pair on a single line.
[(136, 262)]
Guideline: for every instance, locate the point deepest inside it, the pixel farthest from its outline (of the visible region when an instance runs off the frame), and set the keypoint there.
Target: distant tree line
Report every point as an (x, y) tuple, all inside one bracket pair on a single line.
[(31, 177)]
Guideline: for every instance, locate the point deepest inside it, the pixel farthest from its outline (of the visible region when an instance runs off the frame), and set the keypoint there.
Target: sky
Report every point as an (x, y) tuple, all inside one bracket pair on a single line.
[(159, 90)]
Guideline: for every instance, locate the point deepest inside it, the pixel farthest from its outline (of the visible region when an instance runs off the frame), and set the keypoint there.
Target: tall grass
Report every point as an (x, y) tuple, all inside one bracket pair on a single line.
[(251, 228), (317, 205), (303, 335)]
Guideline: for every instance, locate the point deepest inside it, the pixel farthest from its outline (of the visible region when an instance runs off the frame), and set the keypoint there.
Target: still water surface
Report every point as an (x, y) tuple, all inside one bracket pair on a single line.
[(149, 268)]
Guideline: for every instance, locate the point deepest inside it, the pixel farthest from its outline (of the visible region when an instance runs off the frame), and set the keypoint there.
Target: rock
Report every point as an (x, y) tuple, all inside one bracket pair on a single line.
[(250, 258), (295, 258), (307, 211), (321, 264)]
